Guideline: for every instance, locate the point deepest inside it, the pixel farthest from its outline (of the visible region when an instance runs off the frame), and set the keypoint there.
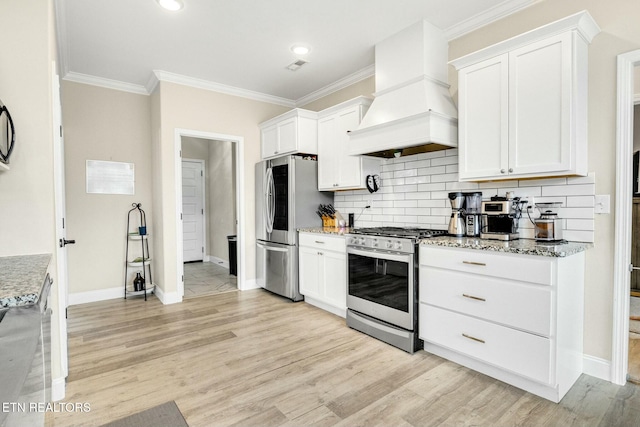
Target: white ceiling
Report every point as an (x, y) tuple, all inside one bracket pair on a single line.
[(243, 45)]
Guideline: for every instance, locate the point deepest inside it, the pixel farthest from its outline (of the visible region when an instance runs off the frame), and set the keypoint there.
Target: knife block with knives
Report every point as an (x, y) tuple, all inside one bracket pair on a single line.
[(330, 217)]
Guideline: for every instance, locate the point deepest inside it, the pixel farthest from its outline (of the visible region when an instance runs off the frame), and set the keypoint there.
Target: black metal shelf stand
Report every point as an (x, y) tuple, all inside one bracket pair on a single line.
[(145, 263)]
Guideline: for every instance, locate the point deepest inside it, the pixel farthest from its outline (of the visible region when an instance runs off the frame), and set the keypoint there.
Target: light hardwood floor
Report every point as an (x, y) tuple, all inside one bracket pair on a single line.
[(253, 359), (207, 278)]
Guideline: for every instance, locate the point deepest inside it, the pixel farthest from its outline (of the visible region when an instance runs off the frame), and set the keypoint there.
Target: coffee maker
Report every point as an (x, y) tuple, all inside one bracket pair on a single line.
[(500, 218), (472, 210), (548, 227), (456, 223)]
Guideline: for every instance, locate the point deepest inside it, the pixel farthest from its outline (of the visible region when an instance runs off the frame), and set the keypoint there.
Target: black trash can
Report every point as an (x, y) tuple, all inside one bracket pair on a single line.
[(233, 255)]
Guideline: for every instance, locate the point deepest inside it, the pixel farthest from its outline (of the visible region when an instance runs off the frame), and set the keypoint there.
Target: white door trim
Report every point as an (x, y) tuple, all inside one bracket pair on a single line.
[(622, 253), (204, 199), (238, 143)]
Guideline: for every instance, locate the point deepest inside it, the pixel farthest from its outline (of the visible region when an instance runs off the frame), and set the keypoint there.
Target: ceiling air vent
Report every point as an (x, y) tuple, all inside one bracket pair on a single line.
[(296, 65)]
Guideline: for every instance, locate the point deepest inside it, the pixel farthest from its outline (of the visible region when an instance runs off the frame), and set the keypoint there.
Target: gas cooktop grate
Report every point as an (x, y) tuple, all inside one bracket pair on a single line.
[(419, 233)]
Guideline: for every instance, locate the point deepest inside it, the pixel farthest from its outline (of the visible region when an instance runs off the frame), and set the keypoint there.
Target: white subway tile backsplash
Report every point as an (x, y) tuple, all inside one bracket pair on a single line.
[(442, 161), (393, 211), (439, 186), (394, 196), (445, 177), (540, 182), (581, 201), (405, 204), (415, 189), (417, 180), (569, 190), (405, 173), (433, 203), (432, 170), (580, 224)]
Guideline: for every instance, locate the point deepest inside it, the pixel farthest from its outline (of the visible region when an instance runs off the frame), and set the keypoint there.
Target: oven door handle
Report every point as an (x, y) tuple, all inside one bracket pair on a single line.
[(381, 255)]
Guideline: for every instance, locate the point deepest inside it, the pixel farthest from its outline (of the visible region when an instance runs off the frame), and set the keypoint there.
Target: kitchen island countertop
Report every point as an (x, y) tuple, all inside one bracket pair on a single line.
[(21, 279), (326, 230), (521, 246)]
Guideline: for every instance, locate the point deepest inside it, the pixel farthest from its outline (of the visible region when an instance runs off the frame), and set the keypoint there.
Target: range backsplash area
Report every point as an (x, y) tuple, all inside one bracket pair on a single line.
[(414, 193)]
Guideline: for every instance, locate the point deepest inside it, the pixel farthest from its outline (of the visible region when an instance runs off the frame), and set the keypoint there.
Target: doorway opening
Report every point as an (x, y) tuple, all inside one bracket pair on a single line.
[(620, 368), (209, 189)]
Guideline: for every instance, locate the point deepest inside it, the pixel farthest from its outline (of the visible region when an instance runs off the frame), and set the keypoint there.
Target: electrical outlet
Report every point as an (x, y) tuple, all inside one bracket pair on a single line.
[(602, 204)]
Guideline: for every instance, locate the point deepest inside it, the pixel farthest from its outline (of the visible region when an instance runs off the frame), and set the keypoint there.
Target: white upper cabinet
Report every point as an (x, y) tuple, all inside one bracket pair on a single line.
[(295, 131), (523, 104), (336, 169)]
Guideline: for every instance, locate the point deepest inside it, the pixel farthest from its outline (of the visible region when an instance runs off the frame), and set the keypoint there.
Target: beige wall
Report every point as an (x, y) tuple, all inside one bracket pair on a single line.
[(205, 111), (620, 33), (111, 125), (27, 210)]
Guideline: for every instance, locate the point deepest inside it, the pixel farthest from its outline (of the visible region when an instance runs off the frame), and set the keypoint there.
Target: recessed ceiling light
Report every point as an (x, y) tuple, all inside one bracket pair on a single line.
[(172, 5), (300, 49)]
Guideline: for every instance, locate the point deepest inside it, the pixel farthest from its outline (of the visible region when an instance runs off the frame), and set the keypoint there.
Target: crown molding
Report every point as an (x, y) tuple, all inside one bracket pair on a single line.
[(106, 83), (166, 76), (337, 85), (486, 17)]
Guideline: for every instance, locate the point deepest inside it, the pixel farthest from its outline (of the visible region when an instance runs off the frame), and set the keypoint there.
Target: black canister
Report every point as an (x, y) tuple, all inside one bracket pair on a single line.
[(138, 283)]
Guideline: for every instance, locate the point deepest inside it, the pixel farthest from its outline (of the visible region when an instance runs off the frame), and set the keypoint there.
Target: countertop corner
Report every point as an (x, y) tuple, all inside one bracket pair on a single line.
[(326, 230), (21, 279)]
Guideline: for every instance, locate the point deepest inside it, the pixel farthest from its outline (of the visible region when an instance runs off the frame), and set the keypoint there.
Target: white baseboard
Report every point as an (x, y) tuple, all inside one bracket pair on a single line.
[(214, 259), (93, 296), (248, 284), (58, 389), (596, 367), (167, 298)]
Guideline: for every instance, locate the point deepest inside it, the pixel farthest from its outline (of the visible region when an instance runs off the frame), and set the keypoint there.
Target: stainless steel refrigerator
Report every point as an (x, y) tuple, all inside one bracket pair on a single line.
[(287, 198)]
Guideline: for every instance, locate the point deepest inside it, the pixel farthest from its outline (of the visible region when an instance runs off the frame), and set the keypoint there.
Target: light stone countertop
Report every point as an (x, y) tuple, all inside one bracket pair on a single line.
[(520, 246), (326, 230), (21, 279)]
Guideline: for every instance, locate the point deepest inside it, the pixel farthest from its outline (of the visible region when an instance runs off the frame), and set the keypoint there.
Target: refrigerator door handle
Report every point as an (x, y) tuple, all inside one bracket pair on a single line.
[(272, 200), (272, 248), (268, 196)]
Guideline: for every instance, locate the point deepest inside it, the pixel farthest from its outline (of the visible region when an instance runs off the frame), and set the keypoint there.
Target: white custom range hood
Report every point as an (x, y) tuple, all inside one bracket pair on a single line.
[(412, 111)]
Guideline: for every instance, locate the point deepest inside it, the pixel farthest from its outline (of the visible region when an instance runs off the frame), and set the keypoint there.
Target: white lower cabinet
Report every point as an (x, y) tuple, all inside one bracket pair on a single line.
[(322, 266), (517, 318)]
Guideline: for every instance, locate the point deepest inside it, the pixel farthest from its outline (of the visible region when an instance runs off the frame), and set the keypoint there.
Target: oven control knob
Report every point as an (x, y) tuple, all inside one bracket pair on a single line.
[(374, 243), (362, 241), (388, 245), (398, 245), (352, 240)]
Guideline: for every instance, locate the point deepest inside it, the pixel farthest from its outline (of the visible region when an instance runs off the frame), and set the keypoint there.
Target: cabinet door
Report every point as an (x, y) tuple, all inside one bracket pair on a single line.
[(335, 278), (327, 149), (539, 106), (309, 272), (269, 140), (349, 167), (288, 136), (483, 97)]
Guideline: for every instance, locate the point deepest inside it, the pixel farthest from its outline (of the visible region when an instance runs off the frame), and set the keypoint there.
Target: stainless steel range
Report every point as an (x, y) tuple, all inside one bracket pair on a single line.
[(382, 292)]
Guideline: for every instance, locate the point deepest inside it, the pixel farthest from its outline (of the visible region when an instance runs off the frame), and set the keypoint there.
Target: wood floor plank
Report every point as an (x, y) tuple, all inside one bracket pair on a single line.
[(252, 358)]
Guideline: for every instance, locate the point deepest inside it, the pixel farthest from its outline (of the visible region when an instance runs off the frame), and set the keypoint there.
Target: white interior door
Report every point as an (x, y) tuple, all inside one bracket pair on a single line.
[(59, 311), (192, 210)]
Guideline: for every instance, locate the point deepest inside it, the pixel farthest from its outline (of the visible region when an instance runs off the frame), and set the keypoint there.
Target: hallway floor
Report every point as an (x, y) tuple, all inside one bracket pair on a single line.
[(207, 278)]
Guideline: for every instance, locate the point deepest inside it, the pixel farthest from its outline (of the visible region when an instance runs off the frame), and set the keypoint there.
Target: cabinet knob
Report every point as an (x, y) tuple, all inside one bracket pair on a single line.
[(275, 152), (510, 170), (502, 171)]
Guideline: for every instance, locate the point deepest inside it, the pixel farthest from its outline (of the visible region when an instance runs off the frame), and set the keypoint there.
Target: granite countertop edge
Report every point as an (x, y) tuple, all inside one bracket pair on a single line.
[(520, 246), (326, 230), (21, 279)]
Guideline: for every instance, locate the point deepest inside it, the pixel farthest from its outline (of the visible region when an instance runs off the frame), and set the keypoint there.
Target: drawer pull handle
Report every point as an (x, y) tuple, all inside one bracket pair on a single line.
[(318, 241), (472, 297), (473, 338), (474, 263)]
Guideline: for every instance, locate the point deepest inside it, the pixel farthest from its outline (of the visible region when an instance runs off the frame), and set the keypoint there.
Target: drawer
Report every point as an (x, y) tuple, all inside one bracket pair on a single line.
[(526, 268), (323, 241), (519, 352), (517, 304)]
